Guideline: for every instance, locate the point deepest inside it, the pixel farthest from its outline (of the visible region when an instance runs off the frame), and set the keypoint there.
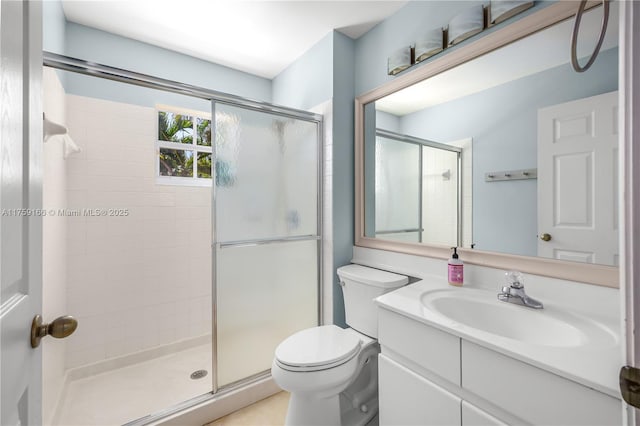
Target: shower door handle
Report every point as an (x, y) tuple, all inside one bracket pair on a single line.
[(59, 328)]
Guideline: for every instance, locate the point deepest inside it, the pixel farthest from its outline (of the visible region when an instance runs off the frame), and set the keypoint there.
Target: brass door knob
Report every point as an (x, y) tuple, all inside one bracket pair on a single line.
[(59, 328), (545, 237)]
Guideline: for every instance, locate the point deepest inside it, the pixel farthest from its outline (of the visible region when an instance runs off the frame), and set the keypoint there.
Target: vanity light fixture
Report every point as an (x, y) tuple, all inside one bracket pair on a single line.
[(400, 60), (466, 24), (430, 43), (501, 10)]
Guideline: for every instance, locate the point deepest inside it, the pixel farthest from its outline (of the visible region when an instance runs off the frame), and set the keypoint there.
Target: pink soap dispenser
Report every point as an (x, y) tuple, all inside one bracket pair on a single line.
[(455, 269)]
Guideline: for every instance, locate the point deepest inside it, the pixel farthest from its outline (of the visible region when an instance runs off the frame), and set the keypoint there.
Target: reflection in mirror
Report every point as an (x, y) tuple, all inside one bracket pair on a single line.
[(422, 176), (522, 111)]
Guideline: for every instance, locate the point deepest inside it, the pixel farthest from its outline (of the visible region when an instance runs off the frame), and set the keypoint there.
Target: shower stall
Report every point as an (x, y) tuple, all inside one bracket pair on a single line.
[(185, 236)]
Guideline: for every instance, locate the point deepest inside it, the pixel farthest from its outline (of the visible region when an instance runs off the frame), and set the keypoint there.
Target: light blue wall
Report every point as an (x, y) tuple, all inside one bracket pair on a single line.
[(53, 27), (105, 48), (308, 81), (53, 30), (387, 121), (503, 124), (343, 161), (402, 29)]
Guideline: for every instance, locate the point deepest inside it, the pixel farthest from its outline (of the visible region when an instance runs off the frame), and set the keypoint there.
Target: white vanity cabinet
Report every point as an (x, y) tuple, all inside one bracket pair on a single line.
[(407, 398), (533, 394), (430, 377)]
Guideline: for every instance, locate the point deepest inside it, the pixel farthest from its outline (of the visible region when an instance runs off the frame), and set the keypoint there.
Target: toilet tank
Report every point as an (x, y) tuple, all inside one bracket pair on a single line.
[(360, 285)]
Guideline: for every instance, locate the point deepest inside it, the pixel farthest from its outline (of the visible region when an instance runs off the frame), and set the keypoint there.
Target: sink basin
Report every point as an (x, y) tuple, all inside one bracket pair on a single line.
[(481, 310)]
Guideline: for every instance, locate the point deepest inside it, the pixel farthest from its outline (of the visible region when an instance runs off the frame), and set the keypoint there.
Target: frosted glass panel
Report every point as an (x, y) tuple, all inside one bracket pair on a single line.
[(264, 294), (269, 166), (397, 186)]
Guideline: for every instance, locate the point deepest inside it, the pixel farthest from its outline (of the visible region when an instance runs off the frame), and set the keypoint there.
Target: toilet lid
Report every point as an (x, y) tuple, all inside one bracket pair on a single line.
[(317, 348)]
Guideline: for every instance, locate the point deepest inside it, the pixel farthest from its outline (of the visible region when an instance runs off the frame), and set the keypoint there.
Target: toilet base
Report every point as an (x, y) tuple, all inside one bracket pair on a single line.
[(305, 410), (308, 411)]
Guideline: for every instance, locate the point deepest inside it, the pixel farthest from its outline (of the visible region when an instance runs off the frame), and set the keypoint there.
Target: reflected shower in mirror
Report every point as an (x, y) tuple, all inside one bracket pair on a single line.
[(542, 179), (417, 174)]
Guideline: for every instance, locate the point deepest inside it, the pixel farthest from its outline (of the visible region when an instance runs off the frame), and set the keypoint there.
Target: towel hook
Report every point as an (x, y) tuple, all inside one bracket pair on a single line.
[(576, 30)]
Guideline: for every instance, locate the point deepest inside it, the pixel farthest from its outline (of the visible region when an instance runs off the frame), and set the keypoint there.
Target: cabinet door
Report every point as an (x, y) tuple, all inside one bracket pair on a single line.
[(536, 396), (409, 399), (473, 416)]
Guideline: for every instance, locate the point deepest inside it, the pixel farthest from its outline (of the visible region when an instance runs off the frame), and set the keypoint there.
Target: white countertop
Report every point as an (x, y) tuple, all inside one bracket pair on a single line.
[(594, 363)]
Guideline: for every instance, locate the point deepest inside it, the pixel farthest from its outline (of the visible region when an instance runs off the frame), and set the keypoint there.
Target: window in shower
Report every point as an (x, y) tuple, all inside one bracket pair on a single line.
[(183, 147)]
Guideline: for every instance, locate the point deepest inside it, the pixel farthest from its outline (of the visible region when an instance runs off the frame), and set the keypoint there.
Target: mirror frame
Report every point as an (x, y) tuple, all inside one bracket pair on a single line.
[(586, 273)]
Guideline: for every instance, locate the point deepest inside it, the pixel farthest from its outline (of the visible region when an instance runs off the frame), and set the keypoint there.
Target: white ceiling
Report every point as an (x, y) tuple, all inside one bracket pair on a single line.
[(538, 52), (258, 37)]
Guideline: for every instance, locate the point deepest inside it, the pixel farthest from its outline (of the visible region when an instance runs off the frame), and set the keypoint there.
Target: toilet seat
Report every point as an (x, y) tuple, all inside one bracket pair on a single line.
[(317, 348)]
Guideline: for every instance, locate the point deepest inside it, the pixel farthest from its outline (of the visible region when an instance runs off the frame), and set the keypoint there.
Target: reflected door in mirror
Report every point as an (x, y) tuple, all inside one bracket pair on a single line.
[(578, 180)]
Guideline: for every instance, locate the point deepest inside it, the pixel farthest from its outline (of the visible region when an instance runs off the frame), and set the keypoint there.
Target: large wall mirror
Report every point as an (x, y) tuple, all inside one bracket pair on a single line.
[(501, 148)]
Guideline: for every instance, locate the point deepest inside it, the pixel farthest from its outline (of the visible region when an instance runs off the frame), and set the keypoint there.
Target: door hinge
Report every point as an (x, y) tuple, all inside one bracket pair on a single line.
[(630, 385)]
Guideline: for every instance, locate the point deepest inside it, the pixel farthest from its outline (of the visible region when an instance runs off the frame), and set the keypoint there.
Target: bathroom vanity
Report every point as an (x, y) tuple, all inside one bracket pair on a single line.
[(458, 356)]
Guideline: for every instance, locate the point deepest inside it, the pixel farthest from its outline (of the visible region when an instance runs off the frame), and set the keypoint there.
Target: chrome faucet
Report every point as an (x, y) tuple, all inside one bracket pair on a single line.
[(514, 291)]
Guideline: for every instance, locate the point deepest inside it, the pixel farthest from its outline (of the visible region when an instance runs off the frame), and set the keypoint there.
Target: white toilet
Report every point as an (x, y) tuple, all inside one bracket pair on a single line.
[(332, 373)]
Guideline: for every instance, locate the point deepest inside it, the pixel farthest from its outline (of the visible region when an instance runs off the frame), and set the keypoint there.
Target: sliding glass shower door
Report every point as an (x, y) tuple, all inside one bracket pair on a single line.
[(266, 232)]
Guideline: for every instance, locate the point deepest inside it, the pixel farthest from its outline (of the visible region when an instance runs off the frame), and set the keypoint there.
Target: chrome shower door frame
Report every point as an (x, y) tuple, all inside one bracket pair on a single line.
[(283, 112)]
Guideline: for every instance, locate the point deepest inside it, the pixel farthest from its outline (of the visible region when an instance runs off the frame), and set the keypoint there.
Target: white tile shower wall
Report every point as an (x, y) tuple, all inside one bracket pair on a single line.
[(439, 205), (144, 279), (440, 223), (54, 260)]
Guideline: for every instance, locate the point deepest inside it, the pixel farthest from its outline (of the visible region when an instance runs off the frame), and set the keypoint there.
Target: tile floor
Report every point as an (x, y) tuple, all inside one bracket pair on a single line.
[(268, 412), (128, 393)]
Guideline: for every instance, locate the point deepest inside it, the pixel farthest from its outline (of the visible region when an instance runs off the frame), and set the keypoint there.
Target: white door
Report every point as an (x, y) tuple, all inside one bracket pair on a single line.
[(20, 188), (578, 180)]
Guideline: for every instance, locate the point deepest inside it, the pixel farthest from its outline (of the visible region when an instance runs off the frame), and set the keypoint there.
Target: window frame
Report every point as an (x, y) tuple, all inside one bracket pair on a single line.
[(193, 147)]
